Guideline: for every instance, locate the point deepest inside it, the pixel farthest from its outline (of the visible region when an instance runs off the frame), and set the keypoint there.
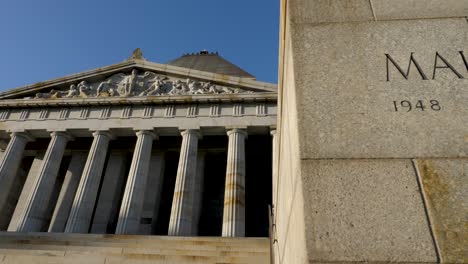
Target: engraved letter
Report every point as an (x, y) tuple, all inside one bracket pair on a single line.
[(405, 75), (447, 66), (464, 60)]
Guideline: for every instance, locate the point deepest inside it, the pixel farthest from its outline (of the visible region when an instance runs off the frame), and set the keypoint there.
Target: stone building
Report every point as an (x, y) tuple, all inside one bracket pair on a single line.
[(141, 162), (179, 154), (372, 132)]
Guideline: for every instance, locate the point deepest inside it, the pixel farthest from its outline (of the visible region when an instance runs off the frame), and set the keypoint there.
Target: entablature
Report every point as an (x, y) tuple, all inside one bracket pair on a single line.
[(171, 99)]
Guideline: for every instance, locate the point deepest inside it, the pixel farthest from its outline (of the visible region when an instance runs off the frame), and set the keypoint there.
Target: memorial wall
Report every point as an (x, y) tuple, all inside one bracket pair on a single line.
[(373, 132)]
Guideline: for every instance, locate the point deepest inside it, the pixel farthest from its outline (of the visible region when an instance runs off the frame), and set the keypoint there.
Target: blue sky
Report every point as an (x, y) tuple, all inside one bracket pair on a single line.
[(45, 39)]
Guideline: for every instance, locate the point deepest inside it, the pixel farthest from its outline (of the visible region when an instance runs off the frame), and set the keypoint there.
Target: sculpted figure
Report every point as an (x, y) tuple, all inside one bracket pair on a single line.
[(197, 88), (113, 85), (72, 92), (135, 84), (184, 87), (113, 92), (157, 88), (104, 86), (127, 85), (207, 87), (194, 87), (130, 83), (44, 95), (179, 87), (84, 89), (226, 90), (212, 88), (191, 86), (175, 87)]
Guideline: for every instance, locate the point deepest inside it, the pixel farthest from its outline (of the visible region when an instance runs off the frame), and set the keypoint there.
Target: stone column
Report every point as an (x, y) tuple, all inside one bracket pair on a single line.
[(32, 217), (10, 163), (180, 223), (234, 192), (153, 193), (85, 198), (198, 193), (26, 190), (132, 202), (67, 192), (111, 192), (274, 171)]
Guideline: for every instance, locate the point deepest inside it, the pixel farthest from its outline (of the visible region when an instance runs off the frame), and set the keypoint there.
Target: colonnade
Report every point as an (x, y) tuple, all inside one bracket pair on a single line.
[(78, 195)]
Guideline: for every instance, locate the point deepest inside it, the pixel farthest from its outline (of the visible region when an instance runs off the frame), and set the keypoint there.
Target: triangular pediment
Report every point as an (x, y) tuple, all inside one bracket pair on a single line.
[(138, 78)]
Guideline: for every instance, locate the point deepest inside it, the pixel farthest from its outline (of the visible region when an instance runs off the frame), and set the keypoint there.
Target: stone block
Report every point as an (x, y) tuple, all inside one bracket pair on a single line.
[(27, 188), (136, 259), (353, 102), (94, 250), (414, 9), (365, 210), (330, 11), (445, 186), (80, 258), (32, 252), (23, 259)]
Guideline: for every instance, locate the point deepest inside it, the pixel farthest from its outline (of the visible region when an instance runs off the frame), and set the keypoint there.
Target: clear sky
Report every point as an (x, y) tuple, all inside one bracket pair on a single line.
[(46, 39)]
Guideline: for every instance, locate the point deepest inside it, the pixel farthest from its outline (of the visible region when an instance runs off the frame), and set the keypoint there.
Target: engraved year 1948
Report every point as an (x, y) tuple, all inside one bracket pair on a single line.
[(420, 105)]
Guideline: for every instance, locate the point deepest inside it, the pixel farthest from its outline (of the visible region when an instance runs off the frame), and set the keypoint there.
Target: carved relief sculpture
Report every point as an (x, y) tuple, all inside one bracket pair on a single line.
[(135, 84)]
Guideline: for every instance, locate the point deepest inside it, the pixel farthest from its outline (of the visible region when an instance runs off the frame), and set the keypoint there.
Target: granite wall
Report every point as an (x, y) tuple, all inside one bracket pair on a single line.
[(373, 132)]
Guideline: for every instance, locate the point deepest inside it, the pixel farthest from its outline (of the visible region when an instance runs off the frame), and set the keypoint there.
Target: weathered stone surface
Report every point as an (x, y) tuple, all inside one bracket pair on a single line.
[(80, 216), (112, 186), (329, 11), (445, 188), (153, 193), (234, 190), (67, 192), (134, 194), (10, 163), (26, 190), (33, 216), (411, 9), (181, 219), (340, 11), (370, 210), (89, 248), (289, 200), (147, 116), (346, 96)]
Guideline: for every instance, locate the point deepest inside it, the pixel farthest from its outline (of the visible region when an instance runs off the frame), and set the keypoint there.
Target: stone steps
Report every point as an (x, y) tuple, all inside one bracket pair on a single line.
[(92, 248)]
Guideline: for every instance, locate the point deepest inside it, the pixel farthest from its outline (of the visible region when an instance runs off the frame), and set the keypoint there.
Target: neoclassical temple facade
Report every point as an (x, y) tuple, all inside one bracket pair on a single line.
[(140, 148)]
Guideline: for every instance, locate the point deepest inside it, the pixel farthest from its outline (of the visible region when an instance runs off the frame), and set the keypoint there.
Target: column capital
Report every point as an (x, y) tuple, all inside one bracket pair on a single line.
[(236, 130), (105, 133), (191, 131), (147, 132), (63, 134), (24, 135), (273, 132)]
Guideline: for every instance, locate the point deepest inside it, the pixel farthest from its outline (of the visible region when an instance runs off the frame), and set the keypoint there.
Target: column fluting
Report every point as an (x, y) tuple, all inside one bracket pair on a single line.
[(234, 192), (134, 194), (67, 192), (32, 217), (198, 192), (81, 213), (180, 223), (10, 163)]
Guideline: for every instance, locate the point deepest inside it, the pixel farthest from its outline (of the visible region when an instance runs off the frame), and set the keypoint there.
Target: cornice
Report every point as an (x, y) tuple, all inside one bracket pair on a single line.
[(172, 99)]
